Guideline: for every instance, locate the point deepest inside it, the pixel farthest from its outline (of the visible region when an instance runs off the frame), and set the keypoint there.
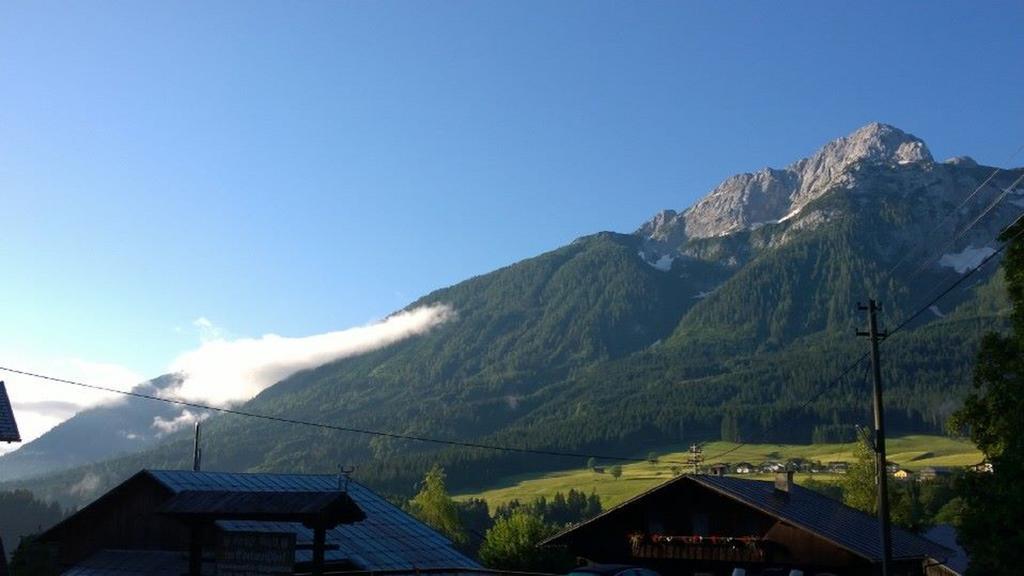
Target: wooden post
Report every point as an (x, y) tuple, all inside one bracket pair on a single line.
[(885, 532), (195, 549), (319, 543)]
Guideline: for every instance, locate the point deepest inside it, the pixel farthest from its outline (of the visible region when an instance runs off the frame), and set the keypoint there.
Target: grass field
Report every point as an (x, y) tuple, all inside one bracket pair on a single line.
[(910, 452)]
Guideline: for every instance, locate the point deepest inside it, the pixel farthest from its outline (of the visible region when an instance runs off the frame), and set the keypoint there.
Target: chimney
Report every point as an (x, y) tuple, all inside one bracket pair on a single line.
[(197, 449), (784, 481)]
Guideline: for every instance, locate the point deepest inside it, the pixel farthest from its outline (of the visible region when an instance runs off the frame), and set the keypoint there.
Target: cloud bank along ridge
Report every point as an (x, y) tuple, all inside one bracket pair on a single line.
[(222, 372), (41, 405)]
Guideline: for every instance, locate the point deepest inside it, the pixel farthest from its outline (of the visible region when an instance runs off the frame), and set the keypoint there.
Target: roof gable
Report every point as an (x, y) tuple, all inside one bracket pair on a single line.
[(8, 427), (830, 519)]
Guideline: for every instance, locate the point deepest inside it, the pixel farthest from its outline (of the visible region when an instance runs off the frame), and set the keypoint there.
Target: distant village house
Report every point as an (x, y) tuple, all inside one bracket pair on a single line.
[(837, 467)]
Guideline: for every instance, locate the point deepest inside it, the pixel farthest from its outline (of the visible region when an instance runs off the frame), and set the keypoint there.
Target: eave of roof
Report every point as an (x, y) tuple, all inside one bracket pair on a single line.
[(326, 508), (112, 493), (706, 483), (789, 519), (612, 510)]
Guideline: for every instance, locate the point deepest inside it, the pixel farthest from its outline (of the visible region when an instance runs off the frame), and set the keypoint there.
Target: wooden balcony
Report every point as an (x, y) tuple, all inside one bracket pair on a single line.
[(713, 548)]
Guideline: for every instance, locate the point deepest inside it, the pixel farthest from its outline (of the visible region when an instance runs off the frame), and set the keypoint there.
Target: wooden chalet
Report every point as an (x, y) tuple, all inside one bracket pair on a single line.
[(903, 474), (838, 467), (714, 524), (931, 473), (720, 469), (8, 434), (174, 522), (745, 468)]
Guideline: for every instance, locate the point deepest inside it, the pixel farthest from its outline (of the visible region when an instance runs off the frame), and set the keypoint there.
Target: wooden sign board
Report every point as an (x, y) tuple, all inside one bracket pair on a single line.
[(255, 553)]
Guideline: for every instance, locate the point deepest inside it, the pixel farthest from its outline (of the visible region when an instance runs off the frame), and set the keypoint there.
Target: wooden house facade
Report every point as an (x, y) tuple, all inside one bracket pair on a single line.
[(714, 524)]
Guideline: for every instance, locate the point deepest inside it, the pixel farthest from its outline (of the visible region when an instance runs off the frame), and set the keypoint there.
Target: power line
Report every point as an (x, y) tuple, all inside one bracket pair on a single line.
[(513, 449), (956, 238), (325, 426), (907, 254), (849, 368), (961, 279), (497, 447), (898, 328)]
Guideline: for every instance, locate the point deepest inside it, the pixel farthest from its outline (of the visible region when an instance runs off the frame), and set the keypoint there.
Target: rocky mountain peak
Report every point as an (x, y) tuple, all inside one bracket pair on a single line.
[(770, 195), (879, 142), (658, 226)]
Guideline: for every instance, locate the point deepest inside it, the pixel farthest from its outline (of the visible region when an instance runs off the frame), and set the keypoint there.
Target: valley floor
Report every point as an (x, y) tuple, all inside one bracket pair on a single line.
[(909, 452)]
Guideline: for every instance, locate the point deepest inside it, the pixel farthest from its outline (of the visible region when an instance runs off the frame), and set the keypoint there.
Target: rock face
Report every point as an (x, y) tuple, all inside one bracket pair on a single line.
[(770, 195), (923, 205)]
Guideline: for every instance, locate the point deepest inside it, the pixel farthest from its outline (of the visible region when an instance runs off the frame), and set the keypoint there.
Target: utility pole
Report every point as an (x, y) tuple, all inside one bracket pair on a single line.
[(883, 491), (696, 457), (197, 449)]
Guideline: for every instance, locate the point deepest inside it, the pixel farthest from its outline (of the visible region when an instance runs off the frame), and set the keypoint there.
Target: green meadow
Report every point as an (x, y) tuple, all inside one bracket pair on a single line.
[(910, 452)]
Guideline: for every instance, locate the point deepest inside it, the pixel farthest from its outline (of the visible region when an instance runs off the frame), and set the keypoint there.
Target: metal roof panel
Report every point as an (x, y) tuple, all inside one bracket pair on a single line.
[(388, 538)]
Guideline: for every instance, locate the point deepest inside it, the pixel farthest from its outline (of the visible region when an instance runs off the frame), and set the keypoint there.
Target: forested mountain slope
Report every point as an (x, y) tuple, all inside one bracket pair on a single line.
[(722, 320)]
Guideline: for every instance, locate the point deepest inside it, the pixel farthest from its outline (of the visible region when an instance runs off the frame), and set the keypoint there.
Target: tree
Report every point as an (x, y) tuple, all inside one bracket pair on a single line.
[(859, 488), (512, 544), (22, 515), (652, 457), (615, 471), (435, 507), (730, 428), (475, 519), (992, 504), (591, 463), (32, 558)]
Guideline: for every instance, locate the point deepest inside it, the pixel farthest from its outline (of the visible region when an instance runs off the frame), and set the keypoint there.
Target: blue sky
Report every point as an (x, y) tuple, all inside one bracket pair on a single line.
[(302, 167)]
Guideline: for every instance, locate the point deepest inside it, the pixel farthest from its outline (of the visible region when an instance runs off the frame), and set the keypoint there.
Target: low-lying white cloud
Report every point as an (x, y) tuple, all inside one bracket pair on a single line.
[(222, 372), (186, 419), (87, 486)]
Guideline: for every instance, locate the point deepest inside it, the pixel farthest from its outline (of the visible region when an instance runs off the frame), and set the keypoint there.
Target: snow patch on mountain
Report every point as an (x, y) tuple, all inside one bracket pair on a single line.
[(967, 259), (791, 214), (1017, 201), (935, 310), (663, 263)]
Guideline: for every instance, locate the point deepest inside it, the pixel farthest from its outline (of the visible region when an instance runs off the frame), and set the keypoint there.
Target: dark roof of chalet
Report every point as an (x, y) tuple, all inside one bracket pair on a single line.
[(122, 562), (387, 539), (326, 507), (3, 559), (945, 534), (830, 519), (8, 427)]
